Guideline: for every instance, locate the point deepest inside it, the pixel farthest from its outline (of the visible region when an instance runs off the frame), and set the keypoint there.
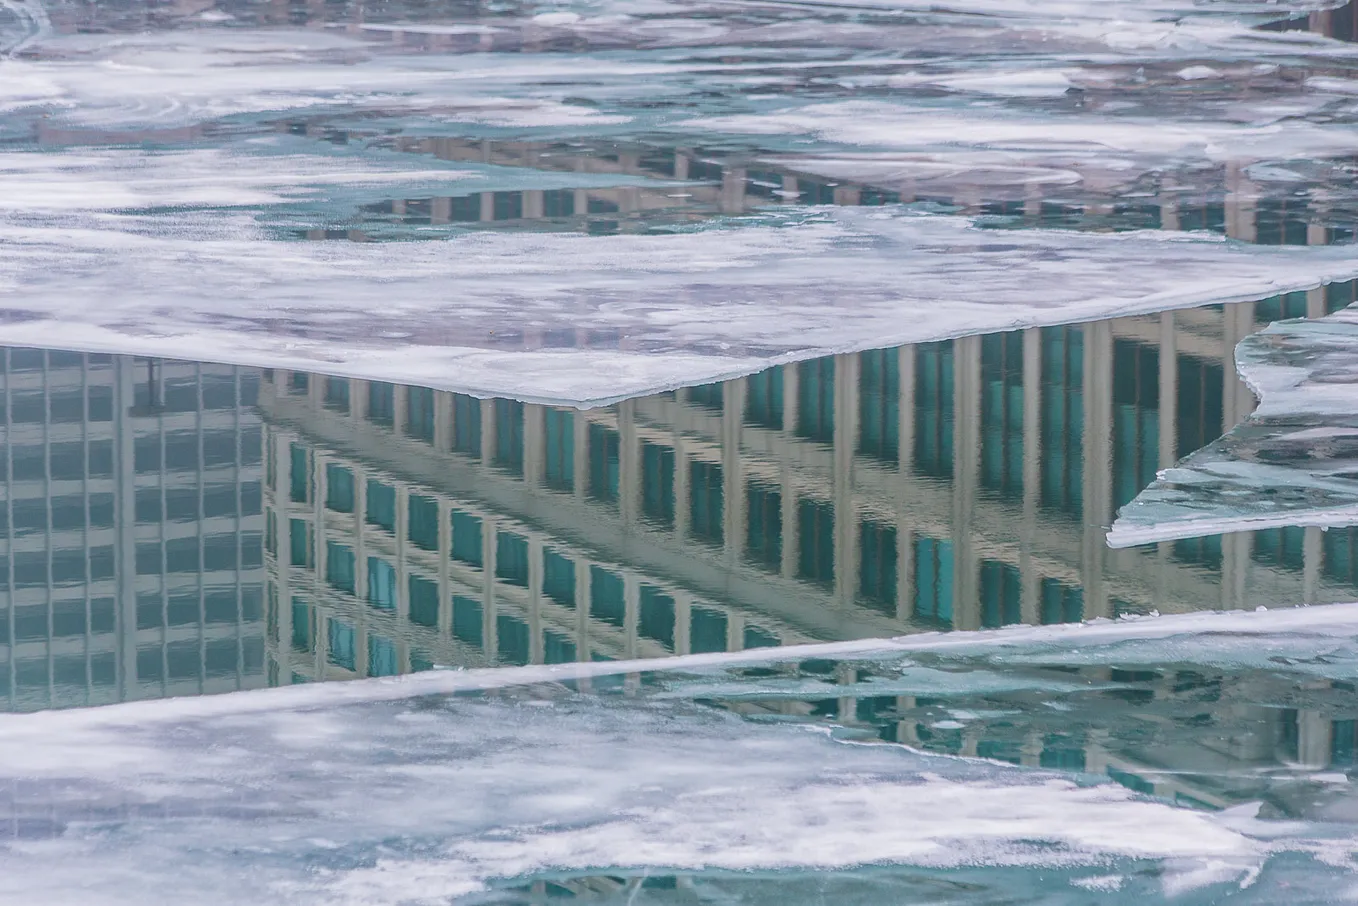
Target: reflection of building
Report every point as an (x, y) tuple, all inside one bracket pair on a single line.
[(1185, 731), (132, 530), (966, 483)]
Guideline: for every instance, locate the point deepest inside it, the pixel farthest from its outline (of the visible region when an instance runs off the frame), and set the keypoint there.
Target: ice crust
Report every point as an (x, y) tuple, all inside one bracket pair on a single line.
[(683, 308), (1293, 462), (379, 791)]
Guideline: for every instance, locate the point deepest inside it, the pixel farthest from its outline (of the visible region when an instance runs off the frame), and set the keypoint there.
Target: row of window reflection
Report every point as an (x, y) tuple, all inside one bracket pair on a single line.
[(708, 629), (175, 451), (40, 515), (43, 679), (877, 570)]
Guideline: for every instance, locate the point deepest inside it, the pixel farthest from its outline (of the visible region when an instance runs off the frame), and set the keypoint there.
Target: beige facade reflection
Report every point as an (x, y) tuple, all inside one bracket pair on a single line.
[(963, 484)]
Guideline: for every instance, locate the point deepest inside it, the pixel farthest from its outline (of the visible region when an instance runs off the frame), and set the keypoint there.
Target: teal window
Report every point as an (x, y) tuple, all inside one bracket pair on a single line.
[(511, 640), (381, 403), (336, 394), (934, 412), (382, 659), (467, 626), (509, 435), (301, 474), (1061, 603), (1339, 556), (933, 580), (303, 631), (342, 644), (706, 508), (339, 488), (657, 484), (381, 505), (759, 638), (603, 463), (557, 649), (1002, 413), (466, 538), (606, 597), (816, 399), (816, 542), (764, 525), (558, 577), (877, 569), (1198, 415), (1062, 420), (879, 397), (655, 616), (558, 440), (467, 425), (424, 602), (1201, 551), (1136, 418), (339, 567), (511, 558), (764, 398), (381, 584), (1340, 295), (1278, 308), (422, 528), (708, 396), (1000, 590), (420, 413), (707, 630), (1280, 547), (299, 542)]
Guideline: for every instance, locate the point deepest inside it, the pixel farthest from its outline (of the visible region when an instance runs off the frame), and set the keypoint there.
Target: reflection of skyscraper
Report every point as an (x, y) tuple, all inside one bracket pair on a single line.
[(133, 530), (966, 483)]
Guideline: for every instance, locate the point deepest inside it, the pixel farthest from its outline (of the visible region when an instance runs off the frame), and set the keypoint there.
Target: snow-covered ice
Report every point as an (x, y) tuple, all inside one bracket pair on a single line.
[(386, 791), (687, 307)]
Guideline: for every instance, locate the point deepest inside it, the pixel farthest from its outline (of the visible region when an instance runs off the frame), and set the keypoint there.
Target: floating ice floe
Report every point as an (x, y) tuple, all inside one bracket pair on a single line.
[(1293, 462), (484, 313), (387, 791)]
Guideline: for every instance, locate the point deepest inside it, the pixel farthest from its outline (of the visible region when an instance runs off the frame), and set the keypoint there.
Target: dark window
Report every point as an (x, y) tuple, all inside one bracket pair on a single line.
[(603, 463), (706, 502), (764, 398), (816, 399), (509, 435), (511, 558), (466, 538), (934, 414), (816, 542), (558, 441), (764, 525), (1002, 413), (879, 382), (606, 596), (877, 572), (1000, 589)]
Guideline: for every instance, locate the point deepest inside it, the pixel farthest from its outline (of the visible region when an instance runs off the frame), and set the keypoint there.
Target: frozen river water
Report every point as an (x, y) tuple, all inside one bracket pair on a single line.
[(678, 452)]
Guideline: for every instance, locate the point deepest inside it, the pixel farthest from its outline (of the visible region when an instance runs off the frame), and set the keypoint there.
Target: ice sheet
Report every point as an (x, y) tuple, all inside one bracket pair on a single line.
[(473, 314), (376, 792), (1293, 462)]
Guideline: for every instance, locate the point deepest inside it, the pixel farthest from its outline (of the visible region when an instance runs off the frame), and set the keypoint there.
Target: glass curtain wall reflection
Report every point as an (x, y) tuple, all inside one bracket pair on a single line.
[(133, 530)]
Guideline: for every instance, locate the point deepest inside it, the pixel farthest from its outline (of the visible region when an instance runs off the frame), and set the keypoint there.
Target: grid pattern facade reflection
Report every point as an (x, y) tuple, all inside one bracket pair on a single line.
[(132, 551), (1011, 454)]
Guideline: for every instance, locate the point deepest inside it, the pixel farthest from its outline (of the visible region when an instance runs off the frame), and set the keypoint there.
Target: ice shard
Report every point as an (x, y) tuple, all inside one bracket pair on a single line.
[(1293, 462)]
